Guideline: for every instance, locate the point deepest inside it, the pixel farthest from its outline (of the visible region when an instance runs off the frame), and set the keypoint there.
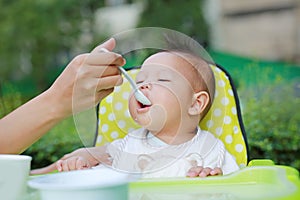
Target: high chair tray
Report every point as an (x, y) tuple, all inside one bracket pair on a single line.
[(256, 182)]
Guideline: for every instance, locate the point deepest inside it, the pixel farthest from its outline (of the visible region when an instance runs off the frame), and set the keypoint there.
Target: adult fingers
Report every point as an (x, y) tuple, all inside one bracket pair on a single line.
[(97, 71), (105, 58), (109, 82), (102, 55), (103, 87), (109, 45)]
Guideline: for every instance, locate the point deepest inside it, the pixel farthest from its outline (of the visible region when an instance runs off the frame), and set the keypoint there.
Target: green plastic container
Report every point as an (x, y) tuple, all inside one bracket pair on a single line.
[(260, 180)]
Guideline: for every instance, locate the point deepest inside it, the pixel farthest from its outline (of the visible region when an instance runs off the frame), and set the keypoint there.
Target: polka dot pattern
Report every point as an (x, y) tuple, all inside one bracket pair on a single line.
[(116, 121), (222, 119)]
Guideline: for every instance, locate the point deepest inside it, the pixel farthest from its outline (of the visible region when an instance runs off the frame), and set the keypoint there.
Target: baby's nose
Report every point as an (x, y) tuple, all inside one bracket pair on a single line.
[(146, 86)]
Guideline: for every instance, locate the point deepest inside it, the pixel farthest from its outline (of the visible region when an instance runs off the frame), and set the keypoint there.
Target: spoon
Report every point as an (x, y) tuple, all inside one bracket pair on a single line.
[(139, 96)]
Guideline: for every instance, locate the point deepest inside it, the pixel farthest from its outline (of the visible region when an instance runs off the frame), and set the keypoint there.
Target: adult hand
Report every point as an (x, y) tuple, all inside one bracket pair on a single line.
[(87, 80)]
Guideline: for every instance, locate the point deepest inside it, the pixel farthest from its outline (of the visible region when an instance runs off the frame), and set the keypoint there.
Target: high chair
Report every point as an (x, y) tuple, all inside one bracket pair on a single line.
[(258, 179), (223, 119)]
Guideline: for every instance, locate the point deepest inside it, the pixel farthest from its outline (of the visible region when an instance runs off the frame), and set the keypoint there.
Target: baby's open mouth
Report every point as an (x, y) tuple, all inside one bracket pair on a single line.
[(143, 106)]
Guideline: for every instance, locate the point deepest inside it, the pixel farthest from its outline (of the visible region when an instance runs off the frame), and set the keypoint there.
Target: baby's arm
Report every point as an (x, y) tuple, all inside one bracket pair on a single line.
[(83, 158), (204, 172), (79, 159), (73, 163)]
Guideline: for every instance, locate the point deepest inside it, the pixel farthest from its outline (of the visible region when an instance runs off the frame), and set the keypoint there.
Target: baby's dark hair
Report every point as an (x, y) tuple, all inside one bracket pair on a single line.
[(187, 49)]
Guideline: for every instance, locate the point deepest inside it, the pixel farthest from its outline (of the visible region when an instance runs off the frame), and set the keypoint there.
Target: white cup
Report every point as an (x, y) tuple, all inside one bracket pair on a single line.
[(14, 172)]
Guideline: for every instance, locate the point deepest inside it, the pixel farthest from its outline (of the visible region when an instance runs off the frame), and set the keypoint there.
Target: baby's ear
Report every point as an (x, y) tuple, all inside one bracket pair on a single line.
[(199, 103)]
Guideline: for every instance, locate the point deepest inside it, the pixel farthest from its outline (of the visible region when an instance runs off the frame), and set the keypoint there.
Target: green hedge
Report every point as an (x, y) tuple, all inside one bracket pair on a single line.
[(59, 141), (272, 122), (10, 99), (271, 117)]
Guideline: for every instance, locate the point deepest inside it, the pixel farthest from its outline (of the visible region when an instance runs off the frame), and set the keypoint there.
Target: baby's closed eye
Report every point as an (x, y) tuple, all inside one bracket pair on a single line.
[(164, 80)]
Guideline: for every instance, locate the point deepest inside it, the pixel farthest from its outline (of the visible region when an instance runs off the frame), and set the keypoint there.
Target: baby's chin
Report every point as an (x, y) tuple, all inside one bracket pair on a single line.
[(154, 120)]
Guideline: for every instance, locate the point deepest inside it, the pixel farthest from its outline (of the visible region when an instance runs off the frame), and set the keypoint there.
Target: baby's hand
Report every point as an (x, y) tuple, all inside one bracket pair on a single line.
[(82, 158), (204, 172), (73, 163)]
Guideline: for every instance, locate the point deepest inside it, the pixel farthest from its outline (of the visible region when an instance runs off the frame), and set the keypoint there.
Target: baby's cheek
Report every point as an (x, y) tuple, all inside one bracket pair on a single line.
[(131, 107)]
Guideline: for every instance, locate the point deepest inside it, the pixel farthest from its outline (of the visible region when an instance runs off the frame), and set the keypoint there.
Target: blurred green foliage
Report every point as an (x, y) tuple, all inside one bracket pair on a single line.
[(257, 73), (272, 122), (10, 101), (36, 37), (186, 17), (59, 141), (270, 97)]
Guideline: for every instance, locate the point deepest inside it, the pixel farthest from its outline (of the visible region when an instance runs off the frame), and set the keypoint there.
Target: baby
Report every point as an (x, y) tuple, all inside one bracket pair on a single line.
[(180, 86)]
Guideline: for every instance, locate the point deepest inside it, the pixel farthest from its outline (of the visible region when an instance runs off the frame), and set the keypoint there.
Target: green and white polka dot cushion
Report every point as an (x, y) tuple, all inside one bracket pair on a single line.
[(222, 119)]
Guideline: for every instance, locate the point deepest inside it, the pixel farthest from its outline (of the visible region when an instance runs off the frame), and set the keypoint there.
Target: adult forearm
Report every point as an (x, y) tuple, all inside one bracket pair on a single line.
[(86, 80), (25, 125)]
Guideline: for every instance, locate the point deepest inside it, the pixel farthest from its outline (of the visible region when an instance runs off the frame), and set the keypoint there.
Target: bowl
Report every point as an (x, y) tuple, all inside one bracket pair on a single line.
[(91, 184)]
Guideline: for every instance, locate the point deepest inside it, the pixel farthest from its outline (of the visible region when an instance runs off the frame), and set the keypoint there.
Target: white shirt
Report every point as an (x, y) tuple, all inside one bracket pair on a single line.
[(141, 152)]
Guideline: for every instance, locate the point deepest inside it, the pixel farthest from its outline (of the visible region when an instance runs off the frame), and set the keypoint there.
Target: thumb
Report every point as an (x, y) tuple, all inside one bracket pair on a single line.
[(109, 45)]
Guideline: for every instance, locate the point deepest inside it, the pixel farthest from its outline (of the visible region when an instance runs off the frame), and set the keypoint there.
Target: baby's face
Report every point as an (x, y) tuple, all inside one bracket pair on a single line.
[(164, 80)]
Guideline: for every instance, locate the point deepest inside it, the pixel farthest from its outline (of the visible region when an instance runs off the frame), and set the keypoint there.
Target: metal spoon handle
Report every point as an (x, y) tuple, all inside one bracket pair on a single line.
[(131, 81), (140, 97)]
